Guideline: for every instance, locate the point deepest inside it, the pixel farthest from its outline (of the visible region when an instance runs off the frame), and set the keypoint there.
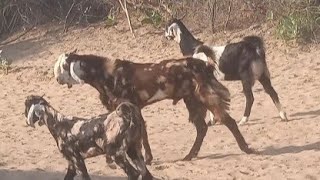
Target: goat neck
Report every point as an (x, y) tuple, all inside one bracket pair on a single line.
[(51, 118), (188, 43)]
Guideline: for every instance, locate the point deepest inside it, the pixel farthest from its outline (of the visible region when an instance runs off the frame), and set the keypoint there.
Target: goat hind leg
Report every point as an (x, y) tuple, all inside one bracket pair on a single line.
[(233, 127), (197, 112), (266, 83), (146, 145), (247, 89)]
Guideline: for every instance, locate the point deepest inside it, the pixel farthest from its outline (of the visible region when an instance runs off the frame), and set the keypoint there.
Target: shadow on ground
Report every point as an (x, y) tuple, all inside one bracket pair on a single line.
[(272, 151), (41, 175)]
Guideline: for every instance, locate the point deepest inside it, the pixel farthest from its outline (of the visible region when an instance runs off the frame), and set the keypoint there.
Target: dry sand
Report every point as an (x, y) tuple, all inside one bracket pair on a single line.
[(288, 150)]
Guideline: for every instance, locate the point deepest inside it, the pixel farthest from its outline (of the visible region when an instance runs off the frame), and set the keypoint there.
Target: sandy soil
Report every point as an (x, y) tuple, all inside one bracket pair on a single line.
[(288, 150)]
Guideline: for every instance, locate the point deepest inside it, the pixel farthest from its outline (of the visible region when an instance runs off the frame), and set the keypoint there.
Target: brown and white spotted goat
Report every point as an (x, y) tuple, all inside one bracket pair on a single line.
[(144, 84), (116, 134)]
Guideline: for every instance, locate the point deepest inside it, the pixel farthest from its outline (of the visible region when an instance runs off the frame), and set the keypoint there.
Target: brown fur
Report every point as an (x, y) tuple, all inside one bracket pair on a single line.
[(118, 135), (187, 78)]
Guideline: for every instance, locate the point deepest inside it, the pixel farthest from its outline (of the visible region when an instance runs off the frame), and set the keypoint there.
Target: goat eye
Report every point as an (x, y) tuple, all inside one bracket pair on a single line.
[(65, 66)]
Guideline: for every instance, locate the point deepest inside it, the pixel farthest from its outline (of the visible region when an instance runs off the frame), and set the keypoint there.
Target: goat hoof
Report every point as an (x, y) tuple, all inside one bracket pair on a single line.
[(243, 121), (249, 151), (149, 158), (283, 116), (210, 123), (148, 162), (188, 158)]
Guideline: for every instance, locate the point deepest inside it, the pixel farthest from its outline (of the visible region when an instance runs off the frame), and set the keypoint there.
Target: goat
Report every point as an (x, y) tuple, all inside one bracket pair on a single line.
[(244, 61), (115, 134), (144, 84)]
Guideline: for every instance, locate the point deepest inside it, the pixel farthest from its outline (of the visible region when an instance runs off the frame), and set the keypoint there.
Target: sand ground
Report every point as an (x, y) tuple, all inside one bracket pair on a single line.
[(288, 150)]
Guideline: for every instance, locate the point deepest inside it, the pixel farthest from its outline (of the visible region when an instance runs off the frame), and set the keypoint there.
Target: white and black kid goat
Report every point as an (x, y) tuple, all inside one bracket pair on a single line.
[(244, 61), (117, 135)]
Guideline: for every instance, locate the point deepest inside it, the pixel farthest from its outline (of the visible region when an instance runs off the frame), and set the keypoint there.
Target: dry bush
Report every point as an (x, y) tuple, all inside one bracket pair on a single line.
[(297, 18), (24, 13)]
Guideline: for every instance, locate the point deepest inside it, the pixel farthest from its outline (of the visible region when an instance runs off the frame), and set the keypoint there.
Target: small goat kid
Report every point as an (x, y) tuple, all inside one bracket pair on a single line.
[(115, 134), (145, 84), (244, 60)]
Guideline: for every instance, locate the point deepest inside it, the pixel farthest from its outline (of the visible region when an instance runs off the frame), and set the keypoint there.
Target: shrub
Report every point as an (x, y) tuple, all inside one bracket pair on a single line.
[(302, 24)]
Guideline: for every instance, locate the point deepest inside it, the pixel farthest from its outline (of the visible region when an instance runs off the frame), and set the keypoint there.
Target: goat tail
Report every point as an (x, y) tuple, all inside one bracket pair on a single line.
[(223, 94), (202, 52), (257, 43)]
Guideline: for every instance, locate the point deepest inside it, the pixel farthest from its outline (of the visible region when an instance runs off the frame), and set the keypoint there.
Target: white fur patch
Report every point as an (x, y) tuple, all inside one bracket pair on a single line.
[(76, 127), (30, 116), (202, 56), (173, 31), (75, 71), (283, 116), (159, 95), (218, 50), (243, 120)]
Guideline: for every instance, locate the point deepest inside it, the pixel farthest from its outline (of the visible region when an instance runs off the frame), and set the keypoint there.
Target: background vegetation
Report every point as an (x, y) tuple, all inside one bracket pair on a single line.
[(294, 19)]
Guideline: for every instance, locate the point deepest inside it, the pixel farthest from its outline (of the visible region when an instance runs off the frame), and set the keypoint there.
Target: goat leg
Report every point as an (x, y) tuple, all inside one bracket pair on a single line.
[(132, 173), (71, 172), (134, 152), (146, 145), (233, 127), (197, 113), (81, 166)]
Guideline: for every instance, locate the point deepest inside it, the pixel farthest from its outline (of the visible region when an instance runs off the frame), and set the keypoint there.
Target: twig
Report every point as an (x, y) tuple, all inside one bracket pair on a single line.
[(65, 21), (212, 9), (125, 9), (229, 12), (5, 43)]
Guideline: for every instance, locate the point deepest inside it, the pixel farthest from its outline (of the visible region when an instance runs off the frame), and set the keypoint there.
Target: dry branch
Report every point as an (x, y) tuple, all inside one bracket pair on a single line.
[(125, 9), (229, 13)]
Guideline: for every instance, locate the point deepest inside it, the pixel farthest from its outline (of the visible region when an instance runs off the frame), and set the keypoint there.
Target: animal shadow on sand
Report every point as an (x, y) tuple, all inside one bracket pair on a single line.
[(300, 115), (209, 156), (42, 175), (308, 113), (292, 149)]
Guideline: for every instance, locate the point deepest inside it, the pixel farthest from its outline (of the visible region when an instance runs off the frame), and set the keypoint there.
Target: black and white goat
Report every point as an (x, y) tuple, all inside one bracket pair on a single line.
[(244, 61), (117, 135)]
